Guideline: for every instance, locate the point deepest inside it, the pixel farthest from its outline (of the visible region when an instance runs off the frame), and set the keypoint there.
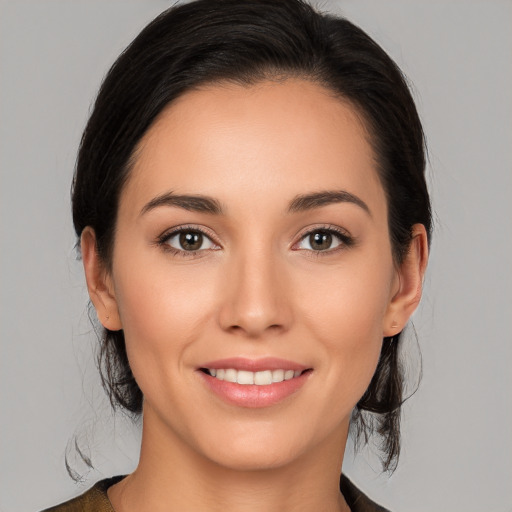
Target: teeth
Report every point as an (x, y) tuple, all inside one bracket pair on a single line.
[(277, 375), (230, 375), (244, 377), (263, 378)]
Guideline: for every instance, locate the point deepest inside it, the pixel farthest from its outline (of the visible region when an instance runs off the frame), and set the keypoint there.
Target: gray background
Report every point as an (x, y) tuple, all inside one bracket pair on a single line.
[(457, 433)]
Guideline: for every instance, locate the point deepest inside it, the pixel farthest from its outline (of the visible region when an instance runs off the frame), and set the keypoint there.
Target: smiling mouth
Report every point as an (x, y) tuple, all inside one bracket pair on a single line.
[(260, 378)]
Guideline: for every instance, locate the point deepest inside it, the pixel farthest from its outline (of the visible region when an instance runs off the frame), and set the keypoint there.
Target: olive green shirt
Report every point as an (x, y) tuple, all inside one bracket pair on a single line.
[(96, 499)]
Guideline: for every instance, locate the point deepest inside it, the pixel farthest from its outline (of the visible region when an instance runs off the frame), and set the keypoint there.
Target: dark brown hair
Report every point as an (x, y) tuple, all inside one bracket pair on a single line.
[(208, 41)]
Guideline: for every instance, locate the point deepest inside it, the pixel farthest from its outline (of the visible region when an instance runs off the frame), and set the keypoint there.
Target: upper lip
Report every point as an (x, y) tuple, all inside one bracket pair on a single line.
[(255, 365)]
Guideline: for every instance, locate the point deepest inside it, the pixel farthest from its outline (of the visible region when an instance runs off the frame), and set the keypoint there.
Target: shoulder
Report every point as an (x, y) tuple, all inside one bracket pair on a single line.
[(96, 499), (93, 500), (356, 499)]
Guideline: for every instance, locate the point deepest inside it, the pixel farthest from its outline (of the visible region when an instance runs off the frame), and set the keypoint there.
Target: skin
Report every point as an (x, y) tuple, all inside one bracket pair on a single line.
[(258, 289)]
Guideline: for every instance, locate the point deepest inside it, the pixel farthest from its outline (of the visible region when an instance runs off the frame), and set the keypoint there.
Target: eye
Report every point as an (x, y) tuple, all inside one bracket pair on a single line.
[(188, 240), (323, 240)]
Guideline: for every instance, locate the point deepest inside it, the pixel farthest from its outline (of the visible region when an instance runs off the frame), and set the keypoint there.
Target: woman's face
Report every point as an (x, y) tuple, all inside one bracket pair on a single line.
[(252, 244)]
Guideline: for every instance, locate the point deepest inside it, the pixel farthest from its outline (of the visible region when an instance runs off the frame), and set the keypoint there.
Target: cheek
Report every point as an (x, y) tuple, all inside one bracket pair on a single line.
[(162, 312), (347, 317), (348, 301)]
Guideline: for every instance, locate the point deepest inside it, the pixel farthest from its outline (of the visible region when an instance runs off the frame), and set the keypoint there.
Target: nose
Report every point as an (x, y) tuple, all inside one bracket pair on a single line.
[(256, 298)]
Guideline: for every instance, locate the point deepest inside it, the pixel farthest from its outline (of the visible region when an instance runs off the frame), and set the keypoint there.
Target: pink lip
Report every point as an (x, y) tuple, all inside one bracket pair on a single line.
[(253, 396), (255, 365)]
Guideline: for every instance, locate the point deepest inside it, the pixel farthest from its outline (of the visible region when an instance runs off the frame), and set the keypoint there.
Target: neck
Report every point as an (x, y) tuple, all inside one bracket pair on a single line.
[(172, 476)]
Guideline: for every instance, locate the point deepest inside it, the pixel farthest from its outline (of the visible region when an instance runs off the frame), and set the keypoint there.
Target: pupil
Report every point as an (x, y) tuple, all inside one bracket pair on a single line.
[(320, 240), (191, 241)]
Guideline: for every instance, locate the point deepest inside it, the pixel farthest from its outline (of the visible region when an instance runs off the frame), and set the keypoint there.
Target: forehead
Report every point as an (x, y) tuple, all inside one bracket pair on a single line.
[(272, 139)]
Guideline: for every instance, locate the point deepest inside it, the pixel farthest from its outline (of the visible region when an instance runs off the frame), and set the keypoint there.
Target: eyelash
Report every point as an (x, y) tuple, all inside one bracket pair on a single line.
[(345, 240), (163, 240)]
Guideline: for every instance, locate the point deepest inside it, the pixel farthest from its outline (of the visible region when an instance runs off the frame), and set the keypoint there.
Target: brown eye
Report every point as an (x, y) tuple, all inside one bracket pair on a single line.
[(191, 241), (188, 240), (323, 240), (320, 241)]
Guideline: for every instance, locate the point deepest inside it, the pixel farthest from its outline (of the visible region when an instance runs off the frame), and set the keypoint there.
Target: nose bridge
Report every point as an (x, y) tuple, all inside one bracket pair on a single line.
[(255, 299)]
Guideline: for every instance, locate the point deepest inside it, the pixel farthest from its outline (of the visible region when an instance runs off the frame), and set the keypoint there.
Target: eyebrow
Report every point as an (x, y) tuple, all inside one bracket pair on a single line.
[(195, 203), (318, 199), (301, 203)]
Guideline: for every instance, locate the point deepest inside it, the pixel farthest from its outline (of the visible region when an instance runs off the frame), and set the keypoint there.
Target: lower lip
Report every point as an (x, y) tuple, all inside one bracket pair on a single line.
[(251, 395)]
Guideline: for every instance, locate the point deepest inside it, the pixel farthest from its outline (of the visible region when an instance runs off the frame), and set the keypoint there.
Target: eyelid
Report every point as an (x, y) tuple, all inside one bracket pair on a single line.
[(346, 239), (176, 230)]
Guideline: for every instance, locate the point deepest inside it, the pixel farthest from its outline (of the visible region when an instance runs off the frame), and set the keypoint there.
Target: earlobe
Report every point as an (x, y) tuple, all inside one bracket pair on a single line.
[(410, 283), (99, 282)]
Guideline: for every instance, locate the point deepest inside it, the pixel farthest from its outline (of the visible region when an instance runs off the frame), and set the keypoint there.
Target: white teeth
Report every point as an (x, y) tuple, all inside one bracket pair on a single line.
[(244, 377), (262, 378), (230, 375), (277, 375)]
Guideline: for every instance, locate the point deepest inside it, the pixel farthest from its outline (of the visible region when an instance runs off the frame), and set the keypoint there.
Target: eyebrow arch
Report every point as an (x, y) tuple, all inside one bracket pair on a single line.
[(191, 203), (318, 199)]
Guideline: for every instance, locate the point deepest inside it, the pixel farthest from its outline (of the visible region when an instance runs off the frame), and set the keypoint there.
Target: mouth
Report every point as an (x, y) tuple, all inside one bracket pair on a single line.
[(247, 378), (254, 383)]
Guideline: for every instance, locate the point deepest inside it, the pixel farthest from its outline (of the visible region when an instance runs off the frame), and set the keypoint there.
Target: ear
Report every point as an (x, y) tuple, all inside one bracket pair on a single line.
[(99, 282), (409, 283)]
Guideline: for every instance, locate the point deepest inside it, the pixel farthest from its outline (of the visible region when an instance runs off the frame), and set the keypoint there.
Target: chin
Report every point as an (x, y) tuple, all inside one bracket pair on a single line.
[(252, 460), (268, 450)]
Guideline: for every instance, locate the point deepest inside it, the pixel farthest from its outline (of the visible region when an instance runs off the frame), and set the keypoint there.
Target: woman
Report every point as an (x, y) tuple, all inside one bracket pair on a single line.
[(254, 224)]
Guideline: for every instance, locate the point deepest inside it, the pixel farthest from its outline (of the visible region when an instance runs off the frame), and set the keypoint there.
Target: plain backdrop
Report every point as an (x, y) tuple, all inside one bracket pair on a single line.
[(457, 433)]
